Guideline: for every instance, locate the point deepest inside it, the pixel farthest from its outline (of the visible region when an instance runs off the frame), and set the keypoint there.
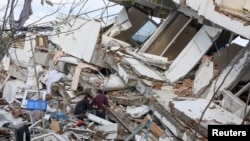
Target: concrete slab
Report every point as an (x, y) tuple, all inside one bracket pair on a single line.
[(79, 40), (190, 112), (203, 76), (230, 102), (126, 100), (192, 53), (142, 70), (128, 77)]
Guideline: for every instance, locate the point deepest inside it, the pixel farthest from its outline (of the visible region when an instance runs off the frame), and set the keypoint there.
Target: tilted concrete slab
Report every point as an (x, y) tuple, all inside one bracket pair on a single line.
[(190, 112), (203, 76), (142, 70), (79, 40), (230, 14), (192, 53), (231, 75)]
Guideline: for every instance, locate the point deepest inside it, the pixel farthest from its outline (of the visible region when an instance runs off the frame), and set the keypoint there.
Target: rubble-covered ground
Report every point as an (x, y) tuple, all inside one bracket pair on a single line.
[(169, 85)]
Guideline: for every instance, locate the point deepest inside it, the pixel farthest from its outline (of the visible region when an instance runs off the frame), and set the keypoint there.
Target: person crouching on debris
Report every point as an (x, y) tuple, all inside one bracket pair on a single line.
[(83, 106), (99, 102)]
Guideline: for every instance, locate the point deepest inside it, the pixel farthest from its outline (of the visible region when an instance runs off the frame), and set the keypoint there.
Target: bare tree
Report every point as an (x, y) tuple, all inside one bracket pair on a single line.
[(11, 27)]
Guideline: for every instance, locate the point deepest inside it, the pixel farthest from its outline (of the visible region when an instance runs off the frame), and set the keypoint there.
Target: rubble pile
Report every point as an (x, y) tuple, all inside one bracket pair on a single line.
[(157, 89)]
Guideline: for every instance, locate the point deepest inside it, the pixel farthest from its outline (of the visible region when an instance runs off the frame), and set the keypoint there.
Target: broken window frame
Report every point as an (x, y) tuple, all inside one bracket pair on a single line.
[(149, 35)]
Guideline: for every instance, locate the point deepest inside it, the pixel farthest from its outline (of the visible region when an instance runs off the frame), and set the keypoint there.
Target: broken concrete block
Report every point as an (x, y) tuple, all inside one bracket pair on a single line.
[(230, 102), (167, 120), (203, 76), (144, 86), (6, 63), (113, 82), (83, 40), (190, 113), (11, 88), (18, 72), (108, 41), (125, 100), (232, 74), (122, 23), (44, 59), (153, 60), (32, 76), (111, 61), (109, 131), (98, 119), (128, 77), (143, 71)]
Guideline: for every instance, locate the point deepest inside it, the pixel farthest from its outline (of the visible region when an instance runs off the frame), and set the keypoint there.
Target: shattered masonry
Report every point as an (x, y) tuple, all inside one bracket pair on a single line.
[(158, 85)]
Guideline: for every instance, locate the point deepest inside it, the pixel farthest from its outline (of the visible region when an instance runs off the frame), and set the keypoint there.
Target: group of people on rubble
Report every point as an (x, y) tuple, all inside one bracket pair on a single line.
[(94, 105)]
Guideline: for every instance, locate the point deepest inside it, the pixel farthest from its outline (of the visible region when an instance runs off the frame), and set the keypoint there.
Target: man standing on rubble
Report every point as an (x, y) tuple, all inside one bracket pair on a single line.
[(83, 106), (99, 102)]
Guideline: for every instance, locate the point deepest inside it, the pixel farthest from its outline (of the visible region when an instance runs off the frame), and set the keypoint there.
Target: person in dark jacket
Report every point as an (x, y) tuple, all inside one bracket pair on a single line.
[(83, 106), (99, 102)]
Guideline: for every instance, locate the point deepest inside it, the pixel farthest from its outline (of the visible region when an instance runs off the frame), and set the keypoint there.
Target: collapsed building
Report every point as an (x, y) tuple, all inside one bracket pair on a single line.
[(165, 81)]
